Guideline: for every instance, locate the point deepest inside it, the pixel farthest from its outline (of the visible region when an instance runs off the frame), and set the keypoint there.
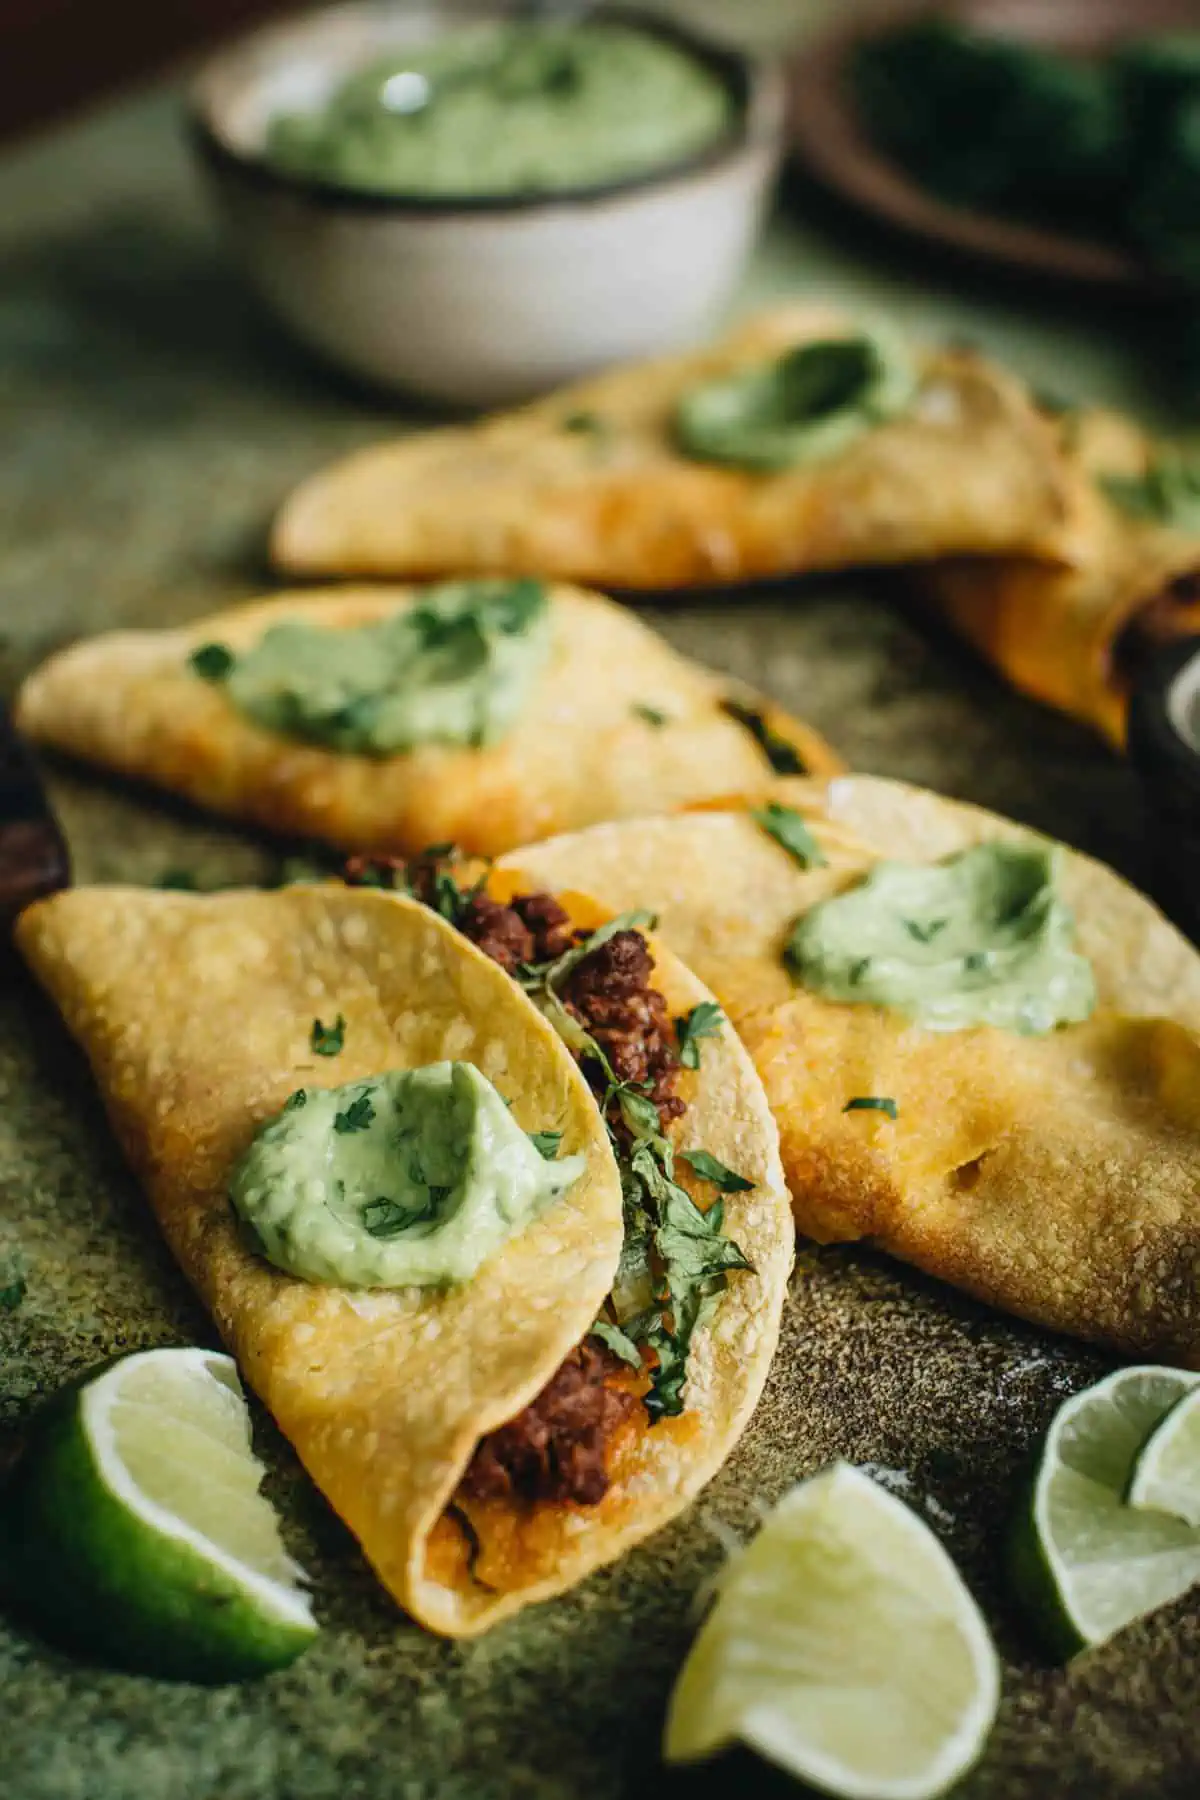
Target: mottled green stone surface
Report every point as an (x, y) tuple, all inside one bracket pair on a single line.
[(151, 421)]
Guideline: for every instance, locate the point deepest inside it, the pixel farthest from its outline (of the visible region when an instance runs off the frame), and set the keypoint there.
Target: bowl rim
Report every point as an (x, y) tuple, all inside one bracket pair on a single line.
[(755, 79), (1158, 744)]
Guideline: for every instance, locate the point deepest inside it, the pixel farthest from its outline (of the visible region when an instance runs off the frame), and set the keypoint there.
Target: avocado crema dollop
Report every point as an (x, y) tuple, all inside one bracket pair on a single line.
[(455, 668), (412, 1178), (510, 109), (804, 406), (979, 939)]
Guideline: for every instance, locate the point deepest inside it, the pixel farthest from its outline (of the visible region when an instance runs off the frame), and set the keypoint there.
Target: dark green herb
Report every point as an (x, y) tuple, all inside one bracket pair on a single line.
[(12, 1293), (924, 933), (546, 1143), (710, 1168), (384, 1218), (1167, 492), (783, 757), (587, 424), (295, 1101), (357, 1116), (180, 881), (651, 715), (976, 961), (704, 1021), (787, 827), (328, 1040), (858, 969), (617, 1341), (212, 662), (872, 1103)]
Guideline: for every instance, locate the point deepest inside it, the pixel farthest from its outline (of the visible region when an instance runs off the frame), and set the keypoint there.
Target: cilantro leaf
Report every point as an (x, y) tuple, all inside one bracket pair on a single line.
[(357, 1116), (587, 424), (783, 757), (650, 714), (327, 1040), (710, 1168), (546, 1143), (704, 1021), (384, 1218), (212, 662), (12, 1293), (295, 1101), (180, 881), (872, 1103), (924, 933), (788, 828), (1167, 492), (617, 1341)]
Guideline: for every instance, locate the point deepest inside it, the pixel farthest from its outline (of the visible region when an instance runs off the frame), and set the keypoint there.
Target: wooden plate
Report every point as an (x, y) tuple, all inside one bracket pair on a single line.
[(829, 138)]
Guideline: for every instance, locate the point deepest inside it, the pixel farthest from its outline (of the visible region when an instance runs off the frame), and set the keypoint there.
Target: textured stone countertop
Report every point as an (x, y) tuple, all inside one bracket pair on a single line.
[(151, 422)]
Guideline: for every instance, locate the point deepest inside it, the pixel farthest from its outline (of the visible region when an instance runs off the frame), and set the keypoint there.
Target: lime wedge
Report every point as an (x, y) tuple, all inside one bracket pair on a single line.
[(1166, 1475), (133, 1527), (1085, 1563), (844, 1647)]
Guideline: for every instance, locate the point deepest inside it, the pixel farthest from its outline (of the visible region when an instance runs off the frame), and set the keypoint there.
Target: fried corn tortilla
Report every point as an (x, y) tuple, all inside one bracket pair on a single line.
[(616, 723), (195, 1014), (588, 484), (1055, 1177), (1069, 630)]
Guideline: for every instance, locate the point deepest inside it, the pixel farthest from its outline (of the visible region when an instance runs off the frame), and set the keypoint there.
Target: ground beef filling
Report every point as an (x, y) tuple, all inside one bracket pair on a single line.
[(558, 1447)]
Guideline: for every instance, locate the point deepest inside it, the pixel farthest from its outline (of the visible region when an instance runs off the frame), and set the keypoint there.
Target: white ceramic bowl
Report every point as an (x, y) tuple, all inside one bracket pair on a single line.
[(476, 302)]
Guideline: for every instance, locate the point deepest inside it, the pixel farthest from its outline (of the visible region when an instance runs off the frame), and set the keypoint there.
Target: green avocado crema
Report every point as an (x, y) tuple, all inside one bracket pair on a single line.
[(979, 939), (804, 406), (412, 1178), (455, 668), (510, 109)]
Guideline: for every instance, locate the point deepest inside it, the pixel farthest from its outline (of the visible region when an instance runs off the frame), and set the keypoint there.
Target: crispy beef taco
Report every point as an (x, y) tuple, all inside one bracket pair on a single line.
[(485, 713), (797, 442), (981, 1049), (506, 1266), (1124, 574)]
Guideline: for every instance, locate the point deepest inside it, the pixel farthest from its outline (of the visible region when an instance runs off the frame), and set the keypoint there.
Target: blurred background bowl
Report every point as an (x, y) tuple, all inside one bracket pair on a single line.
[(476, 302)]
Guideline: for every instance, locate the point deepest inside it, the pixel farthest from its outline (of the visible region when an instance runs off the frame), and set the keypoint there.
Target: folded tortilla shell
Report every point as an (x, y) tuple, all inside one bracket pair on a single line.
[(1057, 1178), (1068, 630), (587, 485), (195, 1013), (582, 749)]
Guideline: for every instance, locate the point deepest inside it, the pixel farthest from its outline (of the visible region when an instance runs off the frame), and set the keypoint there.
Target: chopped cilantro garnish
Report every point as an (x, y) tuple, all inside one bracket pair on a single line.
[(383, 1218), (710, 1168), (546, 1143), (783, 757), (588, 424), (704, 1021), (650, 714), (618, 1342), (924, 933), (357, 1116), (1167, 492), (295, 1101), (12, 1293), (178, 881), (872, 1103), (328, 1040), (787, 827), (212, 662)]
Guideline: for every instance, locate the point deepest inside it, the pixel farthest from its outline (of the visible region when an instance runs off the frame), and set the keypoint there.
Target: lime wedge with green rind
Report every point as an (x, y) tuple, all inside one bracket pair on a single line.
[(1083, 1562), (133, 1528), (844, 1647), (1166, 1475)]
